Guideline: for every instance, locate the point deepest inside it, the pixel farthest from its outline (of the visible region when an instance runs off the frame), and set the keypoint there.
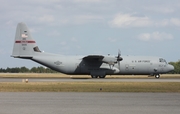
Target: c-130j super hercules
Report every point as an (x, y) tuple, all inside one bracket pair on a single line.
[(95, 65)]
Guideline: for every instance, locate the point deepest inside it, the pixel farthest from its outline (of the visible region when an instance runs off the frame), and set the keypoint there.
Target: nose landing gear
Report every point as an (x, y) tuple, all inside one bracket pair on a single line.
[(157, 76)]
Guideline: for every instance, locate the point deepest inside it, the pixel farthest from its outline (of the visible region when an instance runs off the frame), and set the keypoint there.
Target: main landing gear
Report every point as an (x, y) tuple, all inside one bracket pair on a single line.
[(93, 76)]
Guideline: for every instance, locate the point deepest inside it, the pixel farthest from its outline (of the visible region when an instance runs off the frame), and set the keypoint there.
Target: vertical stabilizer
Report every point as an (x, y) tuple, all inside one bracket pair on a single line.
[(24, 45)]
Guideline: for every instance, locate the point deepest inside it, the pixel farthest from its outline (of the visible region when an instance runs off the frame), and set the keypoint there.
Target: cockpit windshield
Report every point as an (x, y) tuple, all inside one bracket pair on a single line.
[(162, 60)]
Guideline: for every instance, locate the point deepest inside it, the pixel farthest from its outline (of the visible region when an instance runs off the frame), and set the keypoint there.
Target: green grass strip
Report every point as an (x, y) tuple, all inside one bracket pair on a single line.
[(165, 87)]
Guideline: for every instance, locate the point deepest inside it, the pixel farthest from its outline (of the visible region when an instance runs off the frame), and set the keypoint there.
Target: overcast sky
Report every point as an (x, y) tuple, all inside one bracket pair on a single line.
[(83, 27)]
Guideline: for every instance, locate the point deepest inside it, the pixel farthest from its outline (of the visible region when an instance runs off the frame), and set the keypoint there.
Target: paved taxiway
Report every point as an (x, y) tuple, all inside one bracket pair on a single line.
[(89, 103), (88, 79)]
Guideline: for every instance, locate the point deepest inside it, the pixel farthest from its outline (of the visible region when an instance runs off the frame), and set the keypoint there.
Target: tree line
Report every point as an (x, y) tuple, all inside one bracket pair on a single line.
[(176, 67), (27, 70), (41, 69)]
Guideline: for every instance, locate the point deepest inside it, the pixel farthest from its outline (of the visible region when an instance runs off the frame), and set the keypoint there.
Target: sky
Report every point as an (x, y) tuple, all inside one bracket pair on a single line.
[(85, 27)]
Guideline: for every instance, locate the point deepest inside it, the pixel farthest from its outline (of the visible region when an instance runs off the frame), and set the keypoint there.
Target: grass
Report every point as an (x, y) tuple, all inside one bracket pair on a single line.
[(32, 75), (86, 86), (90, 87)]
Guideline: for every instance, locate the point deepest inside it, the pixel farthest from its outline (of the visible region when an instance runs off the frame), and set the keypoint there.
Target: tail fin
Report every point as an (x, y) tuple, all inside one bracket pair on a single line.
[(24, 45)]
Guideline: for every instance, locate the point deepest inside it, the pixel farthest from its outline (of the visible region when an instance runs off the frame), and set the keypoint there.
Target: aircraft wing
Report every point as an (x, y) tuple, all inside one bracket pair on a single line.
[(100, 58), (93, 57)]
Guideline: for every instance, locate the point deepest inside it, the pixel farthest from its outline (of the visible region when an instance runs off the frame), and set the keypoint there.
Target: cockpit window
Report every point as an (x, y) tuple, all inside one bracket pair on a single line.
[(162, 60)]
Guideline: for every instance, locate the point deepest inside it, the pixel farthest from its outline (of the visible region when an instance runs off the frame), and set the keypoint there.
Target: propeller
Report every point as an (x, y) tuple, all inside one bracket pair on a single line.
[(111, 60), (119, 58)]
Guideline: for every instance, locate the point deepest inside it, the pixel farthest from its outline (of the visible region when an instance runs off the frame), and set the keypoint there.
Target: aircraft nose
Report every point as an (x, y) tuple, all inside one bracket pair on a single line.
[(171, 67)]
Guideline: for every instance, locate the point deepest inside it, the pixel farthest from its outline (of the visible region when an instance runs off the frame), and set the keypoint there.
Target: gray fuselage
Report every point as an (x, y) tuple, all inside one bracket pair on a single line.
[(137, 65)]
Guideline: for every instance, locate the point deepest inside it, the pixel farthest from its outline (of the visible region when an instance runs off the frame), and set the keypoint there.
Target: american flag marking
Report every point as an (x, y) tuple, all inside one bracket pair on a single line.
[(24, 35)]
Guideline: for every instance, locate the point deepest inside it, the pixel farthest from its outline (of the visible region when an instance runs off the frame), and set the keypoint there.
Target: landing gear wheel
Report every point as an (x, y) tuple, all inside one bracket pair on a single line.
[(157, 76), (102, 76), (93, 76)]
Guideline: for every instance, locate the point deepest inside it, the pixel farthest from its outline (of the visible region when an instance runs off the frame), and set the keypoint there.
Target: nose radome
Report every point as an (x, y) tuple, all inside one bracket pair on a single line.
[(171, 67)]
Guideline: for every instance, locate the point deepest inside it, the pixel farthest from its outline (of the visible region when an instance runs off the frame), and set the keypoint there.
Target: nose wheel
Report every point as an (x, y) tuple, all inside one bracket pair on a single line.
[(157, 76)]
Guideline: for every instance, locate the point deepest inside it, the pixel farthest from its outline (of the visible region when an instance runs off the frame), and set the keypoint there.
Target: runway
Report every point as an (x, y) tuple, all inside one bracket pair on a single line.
[(88, 103), (88, 80)]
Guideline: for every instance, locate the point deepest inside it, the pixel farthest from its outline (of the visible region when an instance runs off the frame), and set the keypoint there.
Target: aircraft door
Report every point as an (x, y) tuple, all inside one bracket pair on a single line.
[(155, 68)]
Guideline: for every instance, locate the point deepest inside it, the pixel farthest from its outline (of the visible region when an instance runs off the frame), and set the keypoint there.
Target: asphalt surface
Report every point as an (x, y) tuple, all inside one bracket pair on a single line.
[(86, 80), (89, 103)]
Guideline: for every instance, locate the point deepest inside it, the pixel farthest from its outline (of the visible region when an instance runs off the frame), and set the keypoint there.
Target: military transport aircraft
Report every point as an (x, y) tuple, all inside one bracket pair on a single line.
[(95, 65)]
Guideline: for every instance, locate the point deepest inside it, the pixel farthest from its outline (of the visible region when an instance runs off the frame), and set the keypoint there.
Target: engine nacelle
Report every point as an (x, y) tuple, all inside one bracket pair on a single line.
[(109, 60)]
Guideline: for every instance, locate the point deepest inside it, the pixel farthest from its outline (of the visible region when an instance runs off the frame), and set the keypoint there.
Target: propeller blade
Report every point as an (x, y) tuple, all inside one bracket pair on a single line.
[(119, 65), (119, 58), (119, 53)]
